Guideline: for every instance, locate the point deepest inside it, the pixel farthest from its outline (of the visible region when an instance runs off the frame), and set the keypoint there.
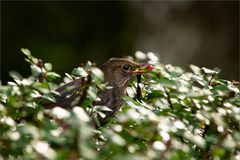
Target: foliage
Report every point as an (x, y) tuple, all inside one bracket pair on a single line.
[(184, 114)]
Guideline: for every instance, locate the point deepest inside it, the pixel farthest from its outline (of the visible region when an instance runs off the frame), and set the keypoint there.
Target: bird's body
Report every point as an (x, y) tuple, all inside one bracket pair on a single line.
[(117, 73)]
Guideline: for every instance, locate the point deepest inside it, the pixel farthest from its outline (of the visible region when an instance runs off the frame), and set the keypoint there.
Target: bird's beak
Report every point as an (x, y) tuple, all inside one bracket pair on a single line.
[(142, 68)]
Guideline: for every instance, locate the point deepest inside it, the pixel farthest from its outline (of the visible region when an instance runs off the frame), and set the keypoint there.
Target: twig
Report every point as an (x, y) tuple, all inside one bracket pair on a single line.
[(86, 84), (168, 98), (213, 75), (139, 94)]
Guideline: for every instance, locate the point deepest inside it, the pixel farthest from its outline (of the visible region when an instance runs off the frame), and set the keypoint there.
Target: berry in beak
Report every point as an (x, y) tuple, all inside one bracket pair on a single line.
[(143, 68)]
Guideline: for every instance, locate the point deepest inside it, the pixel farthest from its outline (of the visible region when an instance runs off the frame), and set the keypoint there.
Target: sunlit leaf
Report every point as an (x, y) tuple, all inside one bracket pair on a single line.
[(60, 113), (208, 71), (26, 51), (97, 74), (81, 114), (79, 72), (52, 75), (36, 71), (48, 66), (15, 75)]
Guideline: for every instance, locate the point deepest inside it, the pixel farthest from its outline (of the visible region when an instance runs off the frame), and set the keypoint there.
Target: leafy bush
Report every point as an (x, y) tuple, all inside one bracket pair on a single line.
[(184, 114)]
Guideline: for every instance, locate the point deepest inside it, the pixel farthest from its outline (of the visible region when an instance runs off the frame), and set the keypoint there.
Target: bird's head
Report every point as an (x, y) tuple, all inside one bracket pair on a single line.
[(118, 71)]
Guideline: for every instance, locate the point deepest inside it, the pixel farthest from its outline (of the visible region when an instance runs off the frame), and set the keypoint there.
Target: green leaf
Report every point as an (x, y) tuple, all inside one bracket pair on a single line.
[(81, 114), (48, 66), (102, 108), (79, 71), (36, 71), (60, 113), (208, 71), (196, 70), (42, 87), (52, 75), (167, 82), (26, 51), (97, 75), (49, 97), (15, 75), (156, 94)]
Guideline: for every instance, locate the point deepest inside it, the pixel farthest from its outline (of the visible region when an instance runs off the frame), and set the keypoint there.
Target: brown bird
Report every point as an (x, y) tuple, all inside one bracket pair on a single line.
[(117, 72)]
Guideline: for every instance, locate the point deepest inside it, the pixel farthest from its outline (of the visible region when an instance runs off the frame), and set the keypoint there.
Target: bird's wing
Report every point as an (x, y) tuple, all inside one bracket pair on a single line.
[(67, 94)]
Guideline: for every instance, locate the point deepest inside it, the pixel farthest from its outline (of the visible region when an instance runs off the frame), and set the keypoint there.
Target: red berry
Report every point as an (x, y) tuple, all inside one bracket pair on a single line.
[(149, 67)]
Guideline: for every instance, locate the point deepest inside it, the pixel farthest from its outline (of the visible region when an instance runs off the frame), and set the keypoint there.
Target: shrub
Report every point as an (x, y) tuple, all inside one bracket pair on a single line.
[(184, 113)]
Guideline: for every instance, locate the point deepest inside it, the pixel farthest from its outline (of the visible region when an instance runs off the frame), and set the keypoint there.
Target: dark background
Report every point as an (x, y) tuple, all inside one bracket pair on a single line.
[(69, 33)]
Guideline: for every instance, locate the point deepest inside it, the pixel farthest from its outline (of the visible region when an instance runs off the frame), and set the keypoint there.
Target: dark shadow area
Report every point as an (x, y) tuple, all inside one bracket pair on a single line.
[(69, 33)]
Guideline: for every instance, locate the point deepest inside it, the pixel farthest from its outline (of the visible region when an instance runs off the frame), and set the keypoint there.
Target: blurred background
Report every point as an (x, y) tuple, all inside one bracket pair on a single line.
[(69, 33)]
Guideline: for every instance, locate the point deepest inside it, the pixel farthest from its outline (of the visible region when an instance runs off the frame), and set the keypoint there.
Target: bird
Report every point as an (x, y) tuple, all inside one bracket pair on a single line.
[(117, 73)]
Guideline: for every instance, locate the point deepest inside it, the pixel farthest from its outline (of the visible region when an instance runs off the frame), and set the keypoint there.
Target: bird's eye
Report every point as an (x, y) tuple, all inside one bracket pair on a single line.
[(126, 67)]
